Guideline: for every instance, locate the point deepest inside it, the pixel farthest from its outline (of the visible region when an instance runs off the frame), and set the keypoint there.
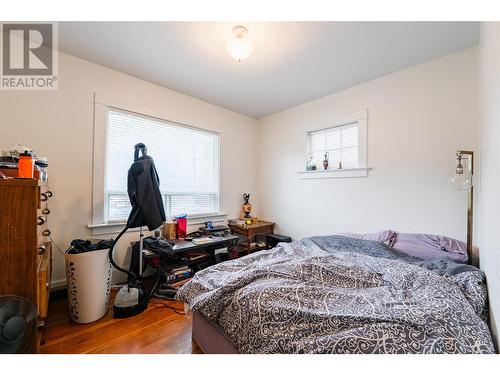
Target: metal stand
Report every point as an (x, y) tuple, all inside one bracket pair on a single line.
[(470, 209), (141, 246)]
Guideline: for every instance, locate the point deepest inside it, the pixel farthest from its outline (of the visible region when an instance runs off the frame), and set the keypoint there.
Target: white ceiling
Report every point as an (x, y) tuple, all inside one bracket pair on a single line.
[(293, 62)]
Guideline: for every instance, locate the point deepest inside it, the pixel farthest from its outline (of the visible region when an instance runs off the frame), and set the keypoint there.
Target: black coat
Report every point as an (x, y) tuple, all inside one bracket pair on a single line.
[(143, 185)]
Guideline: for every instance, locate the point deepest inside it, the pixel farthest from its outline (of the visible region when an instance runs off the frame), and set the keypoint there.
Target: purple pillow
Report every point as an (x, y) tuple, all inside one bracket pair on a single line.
[(384, 236), (429, 246)]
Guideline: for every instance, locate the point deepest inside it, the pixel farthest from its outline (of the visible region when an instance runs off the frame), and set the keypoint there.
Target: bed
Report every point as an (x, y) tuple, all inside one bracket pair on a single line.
[(335, 294)]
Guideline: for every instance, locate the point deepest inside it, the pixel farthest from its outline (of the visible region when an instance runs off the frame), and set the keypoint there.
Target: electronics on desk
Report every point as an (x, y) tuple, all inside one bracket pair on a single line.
[(208, 231), (195, 234), (217, 230), (202, 240)]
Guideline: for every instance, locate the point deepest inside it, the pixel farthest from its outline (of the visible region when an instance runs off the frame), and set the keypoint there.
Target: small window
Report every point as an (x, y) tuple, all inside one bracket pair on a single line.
[(187, 160), (340, 142)]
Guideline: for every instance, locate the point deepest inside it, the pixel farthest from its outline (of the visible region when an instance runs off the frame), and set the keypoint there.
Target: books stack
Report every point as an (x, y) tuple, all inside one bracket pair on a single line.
[(180, 273)]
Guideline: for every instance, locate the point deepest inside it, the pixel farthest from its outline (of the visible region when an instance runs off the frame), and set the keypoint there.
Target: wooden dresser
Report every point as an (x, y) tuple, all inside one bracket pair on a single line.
[(25, 246)]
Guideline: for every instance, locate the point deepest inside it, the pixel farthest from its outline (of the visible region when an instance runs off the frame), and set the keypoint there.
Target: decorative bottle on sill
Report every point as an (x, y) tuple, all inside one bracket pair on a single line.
[(325, 161), (311, 165)]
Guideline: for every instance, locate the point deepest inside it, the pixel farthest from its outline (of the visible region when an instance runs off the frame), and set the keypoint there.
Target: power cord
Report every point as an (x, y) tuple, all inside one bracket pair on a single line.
[(56, 245), (158, 304)]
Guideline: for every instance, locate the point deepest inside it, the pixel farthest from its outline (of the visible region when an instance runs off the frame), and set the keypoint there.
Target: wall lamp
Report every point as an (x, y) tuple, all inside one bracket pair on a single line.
[(462, 179)]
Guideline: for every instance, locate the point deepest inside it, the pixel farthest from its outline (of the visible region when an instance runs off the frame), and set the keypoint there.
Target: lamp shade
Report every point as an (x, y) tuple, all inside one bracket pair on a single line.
[(239, 46), (462, 178)]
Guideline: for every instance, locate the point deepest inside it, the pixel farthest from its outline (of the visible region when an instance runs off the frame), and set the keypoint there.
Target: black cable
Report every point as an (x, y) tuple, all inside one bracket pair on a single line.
[(157, 281), (158, 305), (130, 273)]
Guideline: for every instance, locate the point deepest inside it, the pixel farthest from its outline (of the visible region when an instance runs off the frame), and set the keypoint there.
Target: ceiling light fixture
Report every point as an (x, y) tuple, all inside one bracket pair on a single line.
[(239, 46)]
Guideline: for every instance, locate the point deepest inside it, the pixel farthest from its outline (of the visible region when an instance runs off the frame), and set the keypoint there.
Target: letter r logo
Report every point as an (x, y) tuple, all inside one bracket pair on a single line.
[(27, 49)]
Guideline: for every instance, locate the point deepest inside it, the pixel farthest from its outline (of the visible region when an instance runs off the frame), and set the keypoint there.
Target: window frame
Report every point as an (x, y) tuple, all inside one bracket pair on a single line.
[(361, 118), (102, 104)]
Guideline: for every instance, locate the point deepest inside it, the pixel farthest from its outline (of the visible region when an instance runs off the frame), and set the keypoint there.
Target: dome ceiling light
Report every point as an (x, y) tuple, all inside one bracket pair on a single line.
[(239, 46)]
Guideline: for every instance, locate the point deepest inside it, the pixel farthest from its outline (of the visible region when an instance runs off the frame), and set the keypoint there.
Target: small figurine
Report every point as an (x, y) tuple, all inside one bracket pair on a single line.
[(325, 161), (247, 207), (340, 164)]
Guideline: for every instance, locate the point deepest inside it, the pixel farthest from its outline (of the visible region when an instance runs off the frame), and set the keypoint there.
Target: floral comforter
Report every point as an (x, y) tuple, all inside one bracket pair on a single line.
[(334, 294)]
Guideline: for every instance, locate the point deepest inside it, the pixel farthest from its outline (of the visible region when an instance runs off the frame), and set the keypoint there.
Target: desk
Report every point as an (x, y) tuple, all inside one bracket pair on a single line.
[(183, 246), (250, 232)]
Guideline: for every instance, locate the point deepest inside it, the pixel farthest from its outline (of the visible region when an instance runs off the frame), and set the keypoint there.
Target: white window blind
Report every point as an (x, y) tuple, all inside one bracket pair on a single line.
[(341, 143), (187, 161)]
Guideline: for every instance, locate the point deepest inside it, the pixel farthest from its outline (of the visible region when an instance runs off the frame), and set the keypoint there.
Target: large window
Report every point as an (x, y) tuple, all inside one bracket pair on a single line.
[(187, 160), (340, 142)]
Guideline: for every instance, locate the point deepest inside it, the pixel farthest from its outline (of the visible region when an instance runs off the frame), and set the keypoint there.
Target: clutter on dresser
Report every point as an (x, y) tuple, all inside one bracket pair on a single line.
[(22, 162)]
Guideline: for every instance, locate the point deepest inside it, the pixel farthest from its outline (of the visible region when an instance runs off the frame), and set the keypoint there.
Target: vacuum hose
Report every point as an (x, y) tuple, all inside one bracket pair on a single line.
[(132, 275)]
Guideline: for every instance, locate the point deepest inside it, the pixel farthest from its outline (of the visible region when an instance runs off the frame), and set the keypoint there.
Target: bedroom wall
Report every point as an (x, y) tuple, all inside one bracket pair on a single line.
[(59, 125), (417, 119), (489, 153)]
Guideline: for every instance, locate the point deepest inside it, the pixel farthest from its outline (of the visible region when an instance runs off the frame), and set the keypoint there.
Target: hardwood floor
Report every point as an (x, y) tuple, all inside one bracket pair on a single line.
[(157, 330)]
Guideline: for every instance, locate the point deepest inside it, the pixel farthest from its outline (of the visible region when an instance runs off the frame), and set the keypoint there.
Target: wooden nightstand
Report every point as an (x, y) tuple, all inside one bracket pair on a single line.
[(250, 232)]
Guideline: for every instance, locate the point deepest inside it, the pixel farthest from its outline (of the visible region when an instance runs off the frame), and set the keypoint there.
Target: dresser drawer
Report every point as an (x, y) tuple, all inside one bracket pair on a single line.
[(44, 274)]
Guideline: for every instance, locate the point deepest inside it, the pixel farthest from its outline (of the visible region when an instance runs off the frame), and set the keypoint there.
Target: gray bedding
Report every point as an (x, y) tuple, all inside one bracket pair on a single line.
[(335, 294)]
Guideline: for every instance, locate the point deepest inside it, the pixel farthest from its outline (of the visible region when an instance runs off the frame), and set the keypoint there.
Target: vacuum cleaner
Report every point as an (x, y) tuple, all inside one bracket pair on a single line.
[(147, 210)]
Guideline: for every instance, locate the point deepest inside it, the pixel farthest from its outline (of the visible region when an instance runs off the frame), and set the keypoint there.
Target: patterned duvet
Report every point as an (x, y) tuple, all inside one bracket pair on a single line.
[(334, 294)]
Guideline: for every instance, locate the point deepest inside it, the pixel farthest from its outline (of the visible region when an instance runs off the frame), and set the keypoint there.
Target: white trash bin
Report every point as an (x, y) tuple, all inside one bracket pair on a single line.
[(88, 276)]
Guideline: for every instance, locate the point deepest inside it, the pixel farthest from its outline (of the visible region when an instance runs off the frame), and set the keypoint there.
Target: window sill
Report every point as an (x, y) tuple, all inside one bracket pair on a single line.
[(334, 173), (117, 227)]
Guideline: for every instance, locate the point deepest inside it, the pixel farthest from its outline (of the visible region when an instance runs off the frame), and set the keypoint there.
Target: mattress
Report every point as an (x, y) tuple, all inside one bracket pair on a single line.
[(209, 336)]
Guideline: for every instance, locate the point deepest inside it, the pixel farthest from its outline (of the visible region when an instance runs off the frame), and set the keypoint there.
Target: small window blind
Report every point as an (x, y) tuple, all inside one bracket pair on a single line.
[(341, 143), (187, 161)]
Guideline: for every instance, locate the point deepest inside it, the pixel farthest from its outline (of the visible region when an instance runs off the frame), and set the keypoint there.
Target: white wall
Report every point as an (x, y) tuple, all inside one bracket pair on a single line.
[(489, 147), (417, 119), (59, 125)]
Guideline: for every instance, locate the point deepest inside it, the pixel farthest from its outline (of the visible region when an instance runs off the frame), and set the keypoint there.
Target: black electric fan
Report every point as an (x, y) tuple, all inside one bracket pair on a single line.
[(147, 210), (18, 324)]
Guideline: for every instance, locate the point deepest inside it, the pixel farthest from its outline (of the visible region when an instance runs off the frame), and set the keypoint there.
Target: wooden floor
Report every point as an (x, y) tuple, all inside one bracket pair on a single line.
[(156, 330)]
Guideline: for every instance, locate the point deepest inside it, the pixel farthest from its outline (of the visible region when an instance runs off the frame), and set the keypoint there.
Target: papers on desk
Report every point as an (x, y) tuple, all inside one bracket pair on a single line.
[(202, 240)]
